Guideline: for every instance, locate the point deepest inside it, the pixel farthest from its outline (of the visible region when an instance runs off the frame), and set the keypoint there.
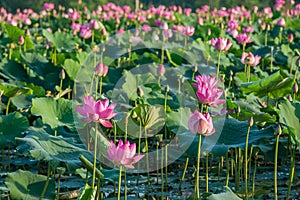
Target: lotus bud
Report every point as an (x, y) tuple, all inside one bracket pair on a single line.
[(161, 70), (62, 74), (250, 121), (295, 88), (290, 98), (21, 40), (167, 88), (140, 91), (195, 68), (101, 70), (290, 38), (278, 130)]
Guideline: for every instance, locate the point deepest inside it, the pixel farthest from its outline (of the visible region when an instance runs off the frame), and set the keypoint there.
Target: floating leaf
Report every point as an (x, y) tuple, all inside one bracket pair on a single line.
[(11, 126), (54, 149), (56, 113), (24, 185), (290, 116)]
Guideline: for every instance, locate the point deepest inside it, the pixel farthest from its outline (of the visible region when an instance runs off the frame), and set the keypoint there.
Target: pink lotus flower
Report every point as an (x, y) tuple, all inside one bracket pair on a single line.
[(85, 32), (123, 154), (281, 22), (101, 69), (243, 38), (221, 44), (99, 111), (93, 24), (250, 59), (48, 6), (189, 30), (201, 124), (207, 90)]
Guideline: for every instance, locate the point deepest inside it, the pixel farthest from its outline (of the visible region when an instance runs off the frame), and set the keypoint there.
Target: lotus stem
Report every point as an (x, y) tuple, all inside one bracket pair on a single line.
[(206, 173), (95, 156), (248, 73), (147, 156), (184, 171), (7, 106), (275, 161), (162, 174), (246, 162), (119, 183), (292, 171), (162, 52), (47, 182), (139, 152), (197, 188), (219, 59), (166, 163), (254, 174), (227, 169), (271, 64)]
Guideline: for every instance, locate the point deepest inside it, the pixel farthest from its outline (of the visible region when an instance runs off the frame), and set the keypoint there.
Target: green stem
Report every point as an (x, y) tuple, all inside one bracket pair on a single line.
[(119, 184), (227, 170), (125, 185), (157, 175), (246, 163), (7, 106), (198, 167), (271, 64), (166, 168), (253, 179), (162, 174), (292, 171), (58, 187), (266, 38), (248, 73), (139, 152), (47, 182), (184, 171), (206, 173), (98, 193), (100, 88), (95, 156), (275, 166), (162, 52), (96, 90), (219, 58), (147, 156)]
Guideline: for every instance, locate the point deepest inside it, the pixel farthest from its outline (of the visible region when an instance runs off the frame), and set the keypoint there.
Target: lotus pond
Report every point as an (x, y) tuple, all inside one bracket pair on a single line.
[(156, 103)]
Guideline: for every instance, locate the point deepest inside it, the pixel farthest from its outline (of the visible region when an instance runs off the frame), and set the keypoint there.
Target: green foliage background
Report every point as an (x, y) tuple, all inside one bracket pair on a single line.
[(12, 5)]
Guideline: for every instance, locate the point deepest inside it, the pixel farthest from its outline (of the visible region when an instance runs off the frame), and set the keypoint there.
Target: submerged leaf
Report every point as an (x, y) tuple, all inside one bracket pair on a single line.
[(227, 195)]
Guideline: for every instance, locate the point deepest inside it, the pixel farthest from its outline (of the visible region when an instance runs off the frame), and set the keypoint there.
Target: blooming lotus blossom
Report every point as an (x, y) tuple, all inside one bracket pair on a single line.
[(201, 124), (207, 90), (221, 44), (146, 28), (48, 6), (189, 30), (123, 154), (243, 38), (99, 112), (85, 32), (250, 59)]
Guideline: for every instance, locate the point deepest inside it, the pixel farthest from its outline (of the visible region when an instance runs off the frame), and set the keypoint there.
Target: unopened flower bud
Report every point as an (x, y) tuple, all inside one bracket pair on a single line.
[(295, 88), (290, 38), (167, 88), (62, 74), (250, 121), (101, 69), (278, 130), (21, 40), (290, 98), (140, 91), (195, 68), (161, 70)]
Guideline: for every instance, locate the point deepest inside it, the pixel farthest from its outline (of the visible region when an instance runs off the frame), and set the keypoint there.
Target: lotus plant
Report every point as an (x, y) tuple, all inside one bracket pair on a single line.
[(220, 44), (123, 155), (200, 124), (99, 112), (248, 59)]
